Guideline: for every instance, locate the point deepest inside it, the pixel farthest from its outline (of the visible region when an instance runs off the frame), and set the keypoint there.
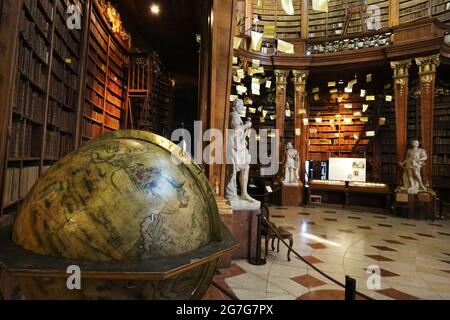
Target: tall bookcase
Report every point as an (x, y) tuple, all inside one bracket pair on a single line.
[(106, 79), (42, 117)]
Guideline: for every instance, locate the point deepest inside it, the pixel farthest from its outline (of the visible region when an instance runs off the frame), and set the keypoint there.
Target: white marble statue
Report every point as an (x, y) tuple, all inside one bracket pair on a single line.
[(415, 160), (291, 166), (239, 156)]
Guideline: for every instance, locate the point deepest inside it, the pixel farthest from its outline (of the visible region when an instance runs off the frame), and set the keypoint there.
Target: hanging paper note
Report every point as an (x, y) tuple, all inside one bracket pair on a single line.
[(233, 97), (256, 41), (348, 105), (363, 93), (256, 86), (240, 73), (248, 101), (285, 47), (301, 111), (369, 78), (235, 60), (315, 90), (333, 90), (241, 90), (273, 117), (320, 5), (348, 90), (268, 84), (388, 98), (252, 110), (365, 107), (236, 79), (298, 132), (387, 86), (237, 42), (269, 31), (331, 84), (265, 113), (382, 121), (357, 114), (305, 122), (348, 120), (318, 120), (370, 134), (288, 7), (313, 131), (352, 83), (370, 98), (255, 63), (288, 113), (364, 119), (262, 119), (260, 109)]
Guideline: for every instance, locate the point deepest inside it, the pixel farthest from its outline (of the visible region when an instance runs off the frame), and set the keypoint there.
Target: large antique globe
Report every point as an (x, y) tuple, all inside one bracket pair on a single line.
[(124, 201)]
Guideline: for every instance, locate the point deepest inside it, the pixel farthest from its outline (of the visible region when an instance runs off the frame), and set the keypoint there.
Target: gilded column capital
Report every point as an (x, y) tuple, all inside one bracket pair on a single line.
[(401, 68), (428, 64), (300, 77), (281, 76)]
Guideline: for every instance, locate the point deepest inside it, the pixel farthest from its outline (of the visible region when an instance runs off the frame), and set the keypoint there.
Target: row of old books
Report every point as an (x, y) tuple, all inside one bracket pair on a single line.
[(63, 94), (57, 144), (63, 119), (18, 182), (28, 102), (91, 129), (32, 68), (20, 144)]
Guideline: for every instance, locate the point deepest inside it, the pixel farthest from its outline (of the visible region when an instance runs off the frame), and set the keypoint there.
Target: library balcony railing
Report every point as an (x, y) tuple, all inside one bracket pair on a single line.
[(350, 42)]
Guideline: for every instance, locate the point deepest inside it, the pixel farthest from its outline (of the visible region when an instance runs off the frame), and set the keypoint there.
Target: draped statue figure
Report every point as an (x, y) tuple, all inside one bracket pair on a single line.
[(415, 160)]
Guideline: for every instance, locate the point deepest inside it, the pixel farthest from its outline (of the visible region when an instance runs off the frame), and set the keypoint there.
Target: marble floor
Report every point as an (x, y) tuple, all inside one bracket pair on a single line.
[(412, 257)]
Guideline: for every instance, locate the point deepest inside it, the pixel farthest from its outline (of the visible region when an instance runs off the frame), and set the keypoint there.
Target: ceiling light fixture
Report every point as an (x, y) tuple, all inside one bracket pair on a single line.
[(154, 9)]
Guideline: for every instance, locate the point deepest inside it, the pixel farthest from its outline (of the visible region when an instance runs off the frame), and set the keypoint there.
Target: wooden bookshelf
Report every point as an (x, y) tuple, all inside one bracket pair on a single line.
[(441, 143), (107, 63), (272, 13), (43, 109)]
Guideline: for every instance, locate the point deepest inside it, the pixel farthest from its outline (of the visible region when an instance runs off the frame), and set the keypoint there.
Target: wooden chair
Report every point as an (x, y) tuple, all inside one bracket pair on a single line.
[(269, 234)]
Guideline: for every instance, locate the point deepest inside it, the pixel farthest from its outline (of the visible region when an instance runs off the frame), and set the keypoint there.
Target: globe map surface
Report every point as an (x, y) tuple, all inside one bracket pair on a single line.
[(120, 197)]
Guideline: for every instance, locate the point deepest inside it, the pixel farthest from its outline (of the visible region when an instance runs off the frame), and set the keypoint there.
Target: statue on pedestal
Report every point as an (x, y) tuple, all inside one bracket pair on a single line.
[(415, 160), (291, 166), (238, 155)]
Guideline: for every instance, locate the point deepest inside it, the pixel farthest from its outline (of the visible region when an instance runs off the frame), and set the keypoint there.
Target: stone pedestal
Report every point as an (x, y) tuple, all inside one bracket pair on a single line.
[(291, 194), (418, 205)]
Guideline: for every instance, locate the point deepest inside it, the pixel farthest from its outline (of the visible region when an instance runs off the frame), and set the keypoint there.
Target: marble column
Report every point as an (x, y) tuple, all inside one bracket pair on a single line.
[(427, 78), (401, 79), (281, 84), (301, 132)]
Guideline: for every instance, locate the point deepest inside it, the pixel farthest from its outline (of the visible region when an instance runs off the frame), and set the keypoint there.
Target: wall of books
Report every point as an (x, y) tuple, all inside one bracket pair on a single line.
[(106, 79), (43, 114), (277, 21)]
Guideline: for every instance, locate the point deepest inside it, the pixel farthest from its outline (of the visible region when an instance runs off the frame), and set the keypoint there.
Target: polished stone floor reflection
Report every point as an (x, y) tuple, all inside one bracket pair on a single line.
[(412, 257)]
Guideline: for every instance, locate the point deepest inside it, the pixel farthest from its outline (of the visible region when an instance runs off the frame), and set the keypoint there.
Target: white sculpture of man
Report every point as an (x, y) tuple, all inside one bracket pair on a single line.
[(415, 160), (291, 165), (239, 155)]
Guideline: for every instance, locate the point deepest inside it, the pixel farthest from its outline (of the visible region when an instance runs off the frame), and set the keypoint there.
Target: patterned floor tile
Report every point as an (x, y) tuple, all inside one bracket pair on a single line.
[(354, 218), (311, 259), (330, 219), (396, 294), (303, 213), (385, 225), (345, 230), (317, 245), (408, 238), (308, 281), (378, 257), (380, 217), (384, 248), (364, 227), (408, 224), (444, 234), (393, 242), (425, 235)]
